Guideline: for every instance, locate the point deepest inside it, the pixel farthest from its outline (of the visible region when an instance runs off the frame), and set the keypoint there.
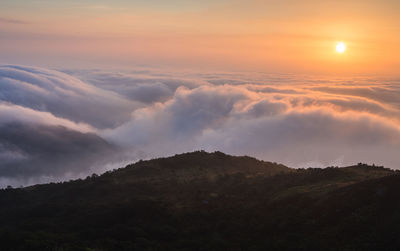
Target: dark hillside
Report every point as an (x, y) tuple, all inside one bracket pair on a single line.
[(208, 201)]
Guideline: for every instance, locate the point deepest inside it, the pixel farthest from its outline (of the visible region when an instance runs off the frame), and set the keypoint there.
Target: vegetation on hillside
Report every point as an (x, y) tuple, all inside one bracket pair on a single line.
[(208, 201)]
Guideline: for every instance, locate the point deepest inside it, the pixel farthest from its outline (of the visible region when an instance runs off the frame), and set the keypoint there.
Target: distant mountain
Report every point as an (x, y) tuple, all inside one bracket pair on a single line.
[(208, 201)]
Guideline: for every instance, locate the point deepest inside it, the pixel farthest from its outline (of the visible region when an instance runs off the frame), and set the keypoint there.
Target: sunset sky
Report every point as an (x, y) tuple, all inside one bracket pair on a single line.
[(271, 36)]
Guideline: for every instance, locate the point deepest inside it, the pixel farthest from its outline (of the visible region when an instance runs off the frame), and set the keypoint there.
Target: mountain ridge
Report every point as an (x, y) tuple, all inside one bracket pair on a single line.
[(206, 201)]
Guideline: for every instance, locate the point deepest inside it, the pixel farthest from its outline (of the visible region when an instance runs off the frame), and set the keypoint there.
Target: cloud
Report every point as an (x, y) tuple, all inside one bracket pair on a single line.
[(56, 126), (142, 86), (319, 136), (12, 21), (48, 125), (63, 95), (387, 95), (295, 127), (39, 150), (14, 113)]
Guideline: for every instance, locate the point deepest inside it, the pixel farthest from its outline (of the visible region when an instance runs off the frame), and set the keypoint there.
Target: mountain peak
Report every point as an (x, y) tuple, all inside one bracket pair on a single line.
[(201, 164)]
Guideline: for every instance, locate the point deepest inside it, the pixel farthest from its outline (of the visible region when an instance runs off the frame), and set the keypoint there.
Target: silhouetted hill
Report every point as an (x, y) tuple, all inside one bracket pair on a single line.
[(208, 201)]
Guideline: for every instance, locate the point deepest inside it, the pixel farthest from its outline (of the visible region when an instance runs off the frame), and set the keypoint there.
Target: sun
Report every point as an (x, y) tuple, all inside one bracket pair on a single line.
[(340, 47)]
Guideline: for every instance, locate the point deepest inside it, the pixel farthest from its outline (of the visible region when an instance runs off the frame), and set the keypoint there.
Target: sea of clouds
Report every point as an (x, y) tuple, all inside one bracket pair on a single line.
[(58, 125)]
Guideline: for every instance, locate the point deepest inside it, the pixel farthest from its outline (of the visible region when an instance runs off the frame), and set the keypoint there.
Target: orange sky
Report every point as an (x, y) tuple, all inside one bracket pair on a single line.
[(271, 36)]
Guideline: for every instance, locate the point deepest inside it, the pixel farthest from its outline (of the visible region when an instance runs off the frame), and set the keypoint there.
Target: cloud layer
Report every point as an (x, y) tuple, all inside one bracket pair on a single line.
[(59, 125), (62, 95)]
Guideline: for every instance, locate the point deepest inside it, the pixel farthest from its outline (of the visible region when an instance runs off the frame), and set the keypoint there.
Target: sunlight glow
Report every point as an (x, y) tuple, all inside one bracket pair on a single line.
[(340, 47)]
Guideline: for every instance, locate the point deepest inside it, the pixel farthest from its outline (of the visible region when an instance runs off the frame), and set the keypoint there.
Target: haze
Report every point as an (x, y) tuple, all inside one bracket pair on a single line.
[(273, 36)]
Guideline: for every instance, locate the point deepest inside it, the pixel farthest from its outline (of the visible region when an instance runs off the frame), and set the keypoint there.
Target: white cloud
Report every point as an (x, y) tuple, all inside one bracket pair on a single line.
[(294, 127), (55, 126), (63, 95)]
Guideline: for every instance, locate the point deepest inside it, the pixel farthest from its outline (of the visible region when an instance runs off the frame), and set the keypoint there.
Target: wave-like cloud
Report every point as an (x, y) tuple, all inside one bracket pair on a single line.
[(63, 95), (294, 129), (55, 125)]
